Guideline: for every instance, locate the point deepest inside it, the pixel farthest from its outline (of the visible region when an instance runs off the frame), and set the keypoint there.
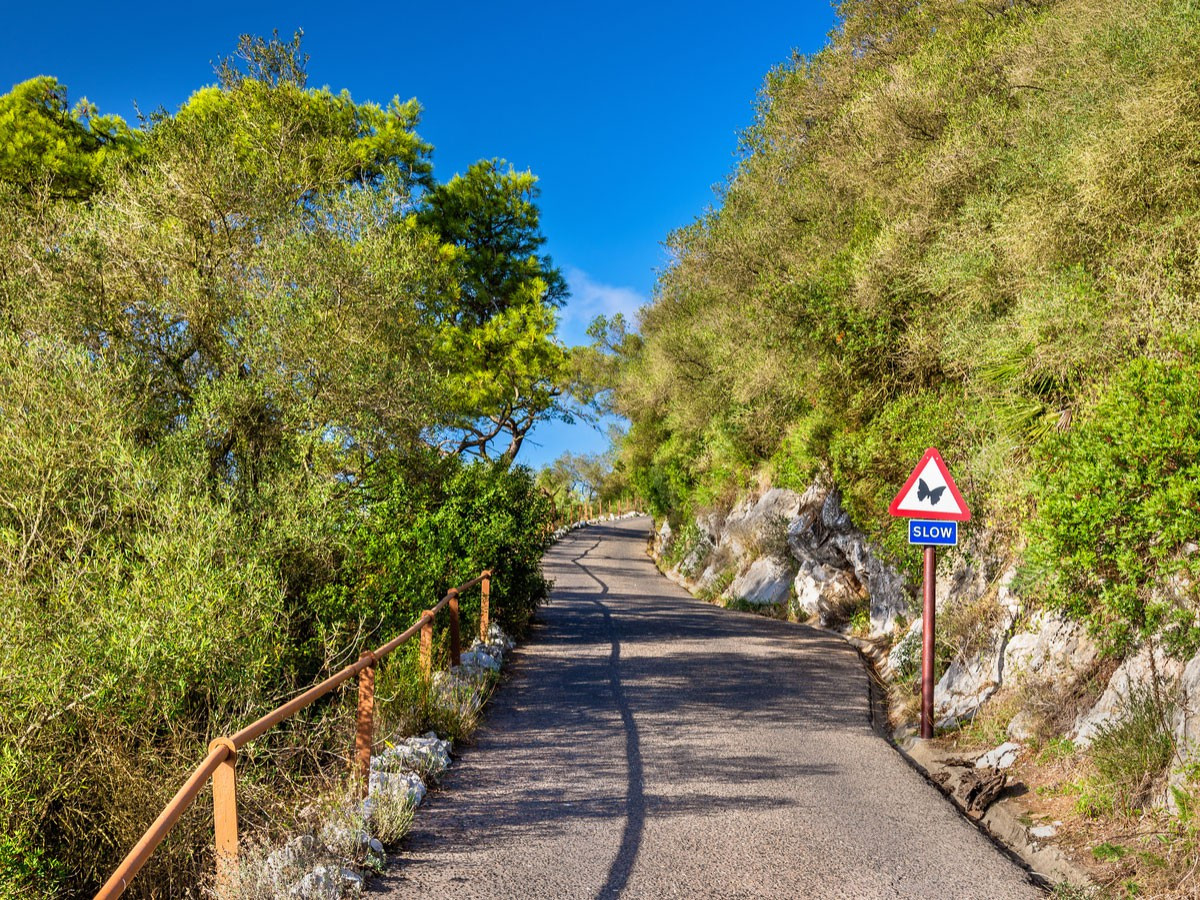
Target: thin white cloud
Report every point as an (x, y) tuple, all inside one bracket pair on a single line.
[(591, 298)]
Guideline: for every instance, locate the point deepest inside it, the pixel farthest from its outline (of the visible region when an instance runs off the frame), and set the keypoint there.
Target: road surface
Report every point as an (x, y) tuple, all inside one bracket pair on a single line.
[(647, 744)]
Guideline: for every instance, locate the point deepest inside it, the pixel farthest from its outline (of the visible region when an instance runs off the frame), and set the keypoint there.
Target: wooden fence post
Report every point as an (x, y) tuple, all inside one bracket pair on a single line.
[(364, 726), (455, 641), (225, 824), (427, 644), (485, 600)]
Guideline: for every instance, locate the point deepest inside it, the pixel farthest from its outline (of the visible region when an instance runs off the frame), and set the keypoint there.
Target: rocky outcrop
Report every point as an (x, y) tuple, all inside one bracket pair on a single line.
[(1054, 647), (782, 547), (973, 678), (755, 527), (1151, 673), (837, 567)]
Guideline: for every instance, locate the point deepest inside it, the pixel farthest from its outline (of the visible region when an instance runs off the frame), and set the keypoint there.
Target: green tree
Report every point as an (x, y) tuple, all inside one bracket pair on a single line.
[(48, 146), (505, 367), (218, 378)]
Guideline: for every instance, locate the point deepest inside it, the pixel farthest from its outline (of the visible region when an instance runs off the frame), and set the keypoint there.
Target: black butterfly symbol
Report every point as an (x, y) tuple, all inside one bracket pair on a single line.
[(923, 491)]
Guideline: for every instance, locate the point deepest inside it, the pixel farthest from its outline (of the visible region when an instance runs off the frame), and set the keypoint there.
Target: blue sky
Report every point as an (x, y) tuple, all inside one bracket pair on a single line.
[(627, 112)]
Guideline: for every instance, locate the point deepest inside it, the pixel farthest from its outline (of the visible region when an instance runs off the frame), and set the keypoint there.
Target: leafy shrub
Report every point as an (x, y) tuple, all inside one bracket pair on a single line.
[(1118, 503), (432, 522)]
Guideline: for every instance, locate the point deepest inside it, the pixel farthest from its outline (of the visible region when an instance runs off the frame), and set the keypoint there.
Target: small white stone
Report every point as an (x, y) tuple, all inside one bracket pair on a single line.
[(352, 882), (1042, 832), (1001, 757)]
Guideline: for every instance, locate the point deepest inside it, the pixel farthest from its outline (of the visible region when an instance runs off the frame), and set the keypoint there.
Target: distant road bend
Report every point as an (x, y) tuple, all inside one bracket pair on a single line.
[(650, 745)]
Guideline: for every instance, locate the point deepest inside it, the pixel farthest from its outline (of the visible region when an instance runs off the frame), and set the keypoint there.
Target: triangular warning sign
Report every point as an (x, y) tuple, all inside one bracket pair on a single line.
[(930, 493)]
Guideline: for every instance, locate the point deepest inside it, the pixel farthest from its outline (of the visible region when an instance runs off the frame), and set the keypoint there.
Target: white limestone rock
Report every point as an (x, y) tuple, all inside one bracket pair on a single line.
[(697, 556), (497, 637), (1055, 648), (397, 785), (662, 540), (754, 522), (905, 656), (328, 883), (1186, 725), (426, 755), (1136, 673), (1187, 716), (352, 883), (1022, 726), (825, 593), (837, 566), (767, 581), (967, 684), (1002, 757), (478, 658)]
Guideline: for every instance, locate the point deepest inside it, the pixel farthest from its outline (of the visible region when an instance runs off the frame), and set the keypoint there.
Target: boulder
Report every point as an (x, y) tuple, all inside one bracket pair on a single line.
[(426, 755), (1187, 714), (826, 594), (708, 578), (905, 656), (662, 540), (697, 556), (397, 785), (1043, 832), (1186, 725), (478, 658), (329, 883), (767, 581)]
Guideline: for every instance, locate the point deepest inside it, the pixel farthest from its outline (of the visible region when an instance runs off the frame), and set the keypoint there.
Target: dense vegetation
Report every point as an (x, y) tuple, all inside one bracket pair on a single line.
[(973, 225), (262, 384)]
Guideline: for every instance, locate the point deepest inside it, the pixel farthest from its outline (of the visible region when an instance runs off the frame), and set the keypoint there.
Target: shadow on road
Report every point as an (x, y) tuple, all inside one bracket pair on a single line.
[(635, 798)]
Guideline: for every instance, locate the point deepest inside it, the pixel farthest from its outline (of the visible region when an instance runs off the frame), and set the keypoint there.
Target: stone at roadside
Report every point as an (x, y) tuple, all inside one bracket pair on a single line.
[(767, 581), (1023, 726), (837, 568), (497, 637), (825, 594), (1042, 832), (697, 556), (405, 786), (479, 659), (427, 755), (1002, 757), (754, 522), (328, 883), (662, 540), (1185, 724)]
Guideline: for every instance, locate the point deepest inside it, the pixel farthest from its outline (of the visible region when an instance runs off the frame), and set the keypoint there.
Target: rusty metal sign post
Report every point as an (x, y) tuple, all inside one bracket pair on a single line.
[(931, 500)]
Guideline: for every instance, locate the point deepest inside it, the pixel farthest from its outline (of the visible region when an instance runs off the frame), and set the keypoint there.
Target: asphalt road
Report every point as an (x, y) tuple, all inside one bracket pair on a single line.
[(650, 745)]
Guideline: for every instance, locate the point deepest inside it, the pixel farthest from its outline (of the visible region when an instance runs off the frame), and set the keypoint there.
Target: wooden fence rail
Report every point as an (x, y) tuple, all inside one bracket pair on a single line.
[(219, 764), (584, 511)]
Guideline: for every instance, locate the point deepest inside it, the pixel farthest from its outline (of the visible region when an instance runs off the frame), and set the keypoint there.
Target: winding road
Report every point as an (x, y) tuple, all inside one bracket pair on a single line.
[(646, 744)]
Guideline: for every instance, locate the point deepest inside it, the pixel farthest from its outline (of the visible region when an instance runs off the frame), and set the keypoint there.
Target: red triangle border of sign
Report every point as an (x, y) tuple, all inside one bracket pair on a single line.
[(933, 454)]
